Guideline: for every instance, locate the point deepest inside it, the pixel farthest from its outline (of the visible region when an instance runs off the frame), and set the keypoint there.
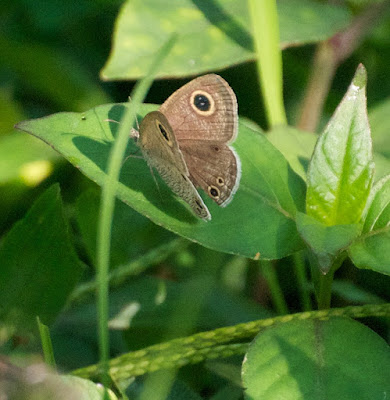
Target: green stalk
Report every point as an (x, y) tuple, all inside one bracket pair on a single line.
[(325, 291), (47, 346), (323, 282), (300, 272), (213, 344), (265, 27), (108, 202), (278, 299)]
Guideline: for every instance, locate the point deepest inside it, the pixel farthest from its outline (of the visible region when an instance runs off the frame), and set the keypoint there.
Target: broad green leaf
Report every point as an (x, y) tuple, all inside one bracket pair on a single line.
[(323, 359), (297, 146), (341, 169), (38, 264), (378, 210), (264, 206), (211, 35), (30, 164), (380, 127), (326, 241), (372, 250)]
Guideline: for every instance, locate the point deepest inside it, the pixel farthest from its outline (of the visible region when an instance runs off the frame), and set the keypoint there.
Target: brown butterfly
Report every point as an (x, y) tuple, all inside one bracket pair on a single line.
[(187, 141)]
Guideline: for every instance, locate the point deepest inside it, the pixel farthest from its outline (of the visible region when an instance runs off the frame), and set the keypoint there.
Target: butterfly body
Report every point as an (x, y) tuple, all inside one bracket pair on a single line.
[(187, 141)]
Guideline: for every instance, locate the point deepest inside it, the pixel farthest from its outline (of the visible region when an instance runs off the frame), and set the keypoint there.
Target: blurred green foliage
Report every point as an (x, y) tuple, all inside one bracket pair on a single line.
[(51, 57)]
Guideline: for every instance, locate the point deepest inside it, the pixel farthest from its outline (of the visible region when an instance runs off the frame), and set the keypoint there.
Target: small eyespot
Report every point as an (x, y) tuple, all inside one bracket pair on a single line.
[(213, 191), (220, 181), (216, 148), (163, 131), (202, 103)]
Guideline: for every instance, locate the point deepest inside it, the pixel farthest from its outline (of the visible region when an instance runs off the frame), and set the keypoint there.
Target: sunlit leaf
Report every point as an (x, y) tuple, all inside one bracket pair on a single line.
[(212, 34), (264, 206), (341, 169), (372, 249)]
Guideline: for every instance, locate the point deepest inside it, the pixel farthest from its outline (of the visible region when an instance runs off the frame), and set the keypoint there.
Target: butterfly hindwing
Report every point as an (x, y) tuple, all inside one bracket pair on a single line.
[(215, 168)]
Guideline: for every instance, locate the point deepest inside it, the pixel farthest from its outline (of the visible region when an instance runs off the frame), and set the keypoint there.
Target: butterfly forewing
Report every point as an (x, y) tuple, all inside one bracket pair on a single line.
[(204, 109), (160, 149)]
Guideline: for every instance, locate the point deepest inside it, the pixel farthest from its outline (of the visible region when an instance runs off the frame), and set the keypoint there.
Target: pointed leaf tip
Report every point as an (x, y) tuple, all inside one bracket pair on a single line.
[(360, 78)]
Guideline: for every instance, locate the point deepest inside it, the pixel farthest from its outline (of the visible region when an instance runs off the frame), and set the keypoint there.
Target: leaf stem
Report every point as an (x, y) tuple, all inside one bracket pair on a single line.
[(325, 290), (300, 272), (278, 299)]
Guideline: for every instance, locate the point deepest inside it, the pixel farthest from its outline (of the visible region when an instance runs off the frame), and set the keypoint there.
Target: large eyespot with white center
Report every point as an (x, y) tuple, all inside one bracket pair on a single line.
[(164, 132), (202, 102), (213, 192)]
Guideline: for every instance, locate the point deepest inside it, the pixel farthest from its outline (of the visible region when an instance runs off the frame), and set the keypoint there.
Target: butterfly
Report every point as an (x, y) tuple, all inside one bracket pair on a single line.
[(187, 142)]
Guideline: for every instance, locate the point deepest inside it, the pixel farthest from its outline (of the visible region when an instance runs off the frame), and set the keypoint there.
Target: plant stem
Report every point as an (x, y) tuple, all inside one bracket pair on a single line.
[(108, 202), (265, 25), (300, 272), (325, 290), (278, 299)]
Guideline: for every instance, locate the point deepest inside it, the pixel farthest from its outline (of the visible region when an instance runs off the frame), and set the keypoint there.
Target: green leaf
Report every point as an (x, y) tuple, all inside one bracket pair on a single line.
[(212, 35), (380, 127), (32, 163), (264, 206), (378, 210), (38, 264), (297, 146), (372, 250), (341, 170), (323, 359), (326, 241)]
